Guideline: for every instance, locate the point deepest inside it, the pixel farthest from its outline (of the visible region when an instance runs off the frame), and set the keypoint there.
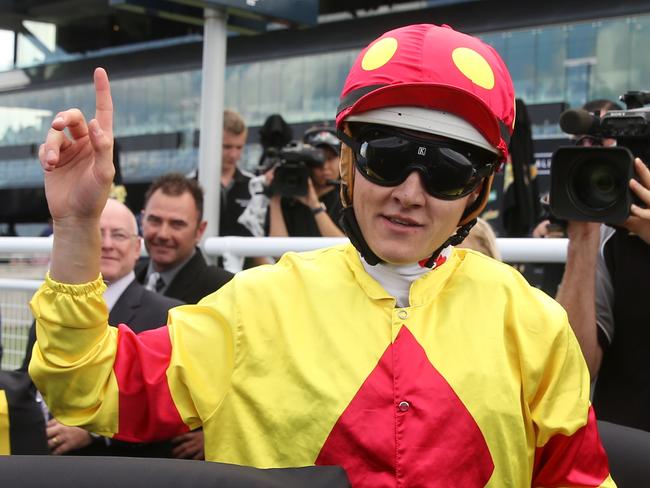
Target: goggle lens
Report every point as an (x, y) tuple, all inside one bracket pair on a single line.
[(449, 170)]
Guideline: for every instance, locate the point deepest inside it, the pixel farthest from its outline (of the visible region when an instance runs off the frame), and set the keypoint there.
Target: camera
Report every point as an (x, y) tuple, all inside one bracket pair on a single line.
[(592, 183), (292, 168)]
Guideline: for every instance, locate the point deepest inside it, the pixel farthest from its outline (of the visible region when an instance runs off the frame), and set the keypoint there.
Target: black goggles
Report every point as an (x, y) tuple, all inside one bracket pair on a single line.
[(450, 170)]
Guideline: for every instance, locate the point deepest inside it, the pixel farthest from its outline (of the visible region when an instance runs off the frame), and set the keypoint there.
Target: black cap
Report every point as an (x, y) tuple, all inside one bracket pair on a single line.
[(323, 137)]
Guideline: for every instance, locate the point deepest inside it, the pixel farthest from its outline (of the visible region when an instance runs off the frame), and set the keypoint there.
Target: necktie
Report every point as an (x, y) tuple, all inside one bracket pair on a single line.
[(155, 282)]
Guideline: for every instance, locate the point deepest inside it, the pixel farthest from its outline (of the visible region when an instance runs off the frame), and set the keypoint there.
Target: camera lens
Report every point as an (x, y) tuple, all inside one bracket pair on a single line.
[(596, 184)]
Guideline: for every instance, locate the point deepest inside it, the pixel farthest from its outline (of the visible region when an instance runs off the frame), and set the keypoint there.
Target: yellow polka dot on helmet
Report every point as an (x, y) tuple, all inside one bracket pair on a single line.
[(474, 66), (379, 53)]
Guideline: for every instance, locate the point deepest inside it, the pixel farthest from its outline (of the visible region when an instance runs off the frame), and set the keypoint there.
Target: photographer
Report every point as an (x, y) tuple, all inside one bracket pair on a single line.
[(601, 290), (315, 214)]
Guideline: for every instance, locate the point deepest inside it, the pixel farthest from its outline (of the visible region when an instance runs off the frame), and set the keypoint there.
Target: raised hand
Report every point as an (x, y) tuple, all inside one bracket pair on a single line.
[(79, 170), (78, 166), (639, 220)]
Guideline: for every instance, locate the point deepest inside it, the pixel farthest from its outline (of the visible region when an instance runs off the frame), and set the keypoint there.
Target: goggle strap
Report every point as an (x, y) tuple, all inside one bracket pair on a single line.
[(348, 141), (351, 228)]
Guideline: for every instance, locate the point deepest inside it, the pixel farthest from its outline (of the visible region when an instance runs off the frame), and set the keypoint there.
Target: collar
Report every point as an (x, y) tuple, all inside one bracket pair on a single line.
[(169, 274), (397, 278)]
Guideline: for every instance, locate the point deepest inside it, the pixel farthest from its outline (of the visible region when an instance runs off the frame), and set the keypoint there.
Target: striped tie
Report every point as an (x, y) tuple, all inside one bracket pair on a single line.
[(155, 282)]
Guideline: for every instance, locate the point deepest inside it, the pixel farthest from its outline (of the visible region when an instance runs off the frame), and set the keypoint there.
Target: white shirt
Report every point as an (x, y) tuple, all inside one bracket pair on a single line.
[(114, 290), (397, 278)]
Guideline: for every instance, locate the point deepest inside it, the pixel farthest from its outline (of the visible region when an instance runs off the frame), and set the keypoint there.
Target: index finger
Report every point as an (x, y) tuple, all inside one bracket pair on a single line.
[(103, 101)]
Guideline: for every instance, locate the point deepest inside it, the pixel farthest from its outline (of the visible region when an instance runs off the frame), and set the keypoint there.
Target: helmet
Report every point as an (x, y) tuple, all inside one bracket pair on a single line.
[(323, 136), (460, 81)]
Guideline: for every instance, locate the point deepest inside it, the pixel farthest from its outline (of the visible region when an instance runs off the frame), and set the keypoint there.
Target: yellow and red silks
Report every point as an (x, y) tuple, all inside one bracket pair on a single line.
[(479, 383)]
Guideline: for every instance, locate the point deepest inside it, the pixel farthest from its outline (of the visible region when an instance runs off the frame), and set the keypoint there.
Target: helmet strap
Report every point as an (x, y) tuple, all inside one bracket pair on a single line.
[(457, 238), (351, 228)]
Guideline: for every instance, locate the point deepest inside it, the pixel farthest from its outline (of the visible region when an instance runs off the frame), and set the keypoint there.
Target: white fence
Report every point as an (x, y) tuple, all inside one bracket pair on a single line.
[(15, 292), (513, 250)]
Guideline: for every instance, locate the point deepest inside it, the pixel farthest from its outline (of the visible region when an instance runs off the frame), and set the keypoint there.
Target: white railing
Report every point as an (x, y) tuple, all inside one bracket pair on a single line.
[(18, 284), (30, 252), (25, 245), (513, 250), (519, 250)]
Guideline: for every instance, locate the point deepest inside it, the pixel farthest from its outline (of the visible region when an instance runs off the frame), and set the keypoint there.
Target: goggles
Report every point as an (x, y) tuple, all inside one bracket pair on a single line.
[(450, 170)]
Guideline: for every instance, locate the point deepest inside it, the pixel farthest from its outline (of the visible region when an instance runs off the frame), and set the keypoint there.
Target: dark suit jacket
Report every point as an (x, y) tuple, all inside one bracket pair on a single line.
[(26, 429), (141, 310), (194, 281)]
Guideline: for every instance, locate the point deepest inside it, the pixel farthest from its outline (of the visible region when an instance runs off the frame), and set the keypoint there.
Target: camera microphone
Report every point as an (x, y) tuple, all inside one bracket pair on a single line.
[(579, 122)]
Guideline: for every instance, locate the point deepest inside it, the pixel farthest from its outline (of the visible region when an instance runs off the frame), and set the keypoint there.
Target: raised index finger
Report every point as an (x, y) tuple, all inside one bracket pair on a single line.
[(103, 101)]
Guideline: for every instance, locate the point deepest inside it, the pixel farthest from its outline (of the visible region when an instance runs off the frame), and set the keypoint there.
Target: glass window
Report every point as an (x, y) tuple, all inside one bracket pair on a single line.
[(316, 79), (292, 71), (520, 59), (581, 40), (249, 93), (7, 40), (610, 76), (639, 69), (231, 95), (36, 43), (550, 55)]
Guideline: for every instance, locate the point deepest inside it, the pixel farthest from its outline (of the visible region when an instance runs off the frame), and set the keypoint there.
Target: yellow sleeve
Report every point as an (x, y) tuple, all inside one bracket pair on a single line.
[(568, 450), (73, 359)]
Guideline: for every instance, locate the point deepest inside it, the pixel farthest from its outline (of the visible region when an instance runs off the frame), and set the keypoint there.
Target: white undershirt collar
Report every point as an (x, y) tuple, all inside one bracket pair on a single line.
[(114, 290), (397, 278)]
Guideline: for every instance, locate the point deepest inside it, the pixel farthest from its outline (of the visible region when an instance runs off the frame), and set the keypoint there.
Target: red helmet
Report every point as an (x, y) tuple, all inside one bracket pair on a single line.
[(432, 67)]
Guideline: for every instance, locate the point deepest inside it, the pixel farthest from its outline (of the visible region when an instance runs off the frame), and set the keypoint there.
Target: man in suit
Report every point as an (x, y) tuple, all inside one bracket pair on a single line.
[(129, 303), (172, 226)]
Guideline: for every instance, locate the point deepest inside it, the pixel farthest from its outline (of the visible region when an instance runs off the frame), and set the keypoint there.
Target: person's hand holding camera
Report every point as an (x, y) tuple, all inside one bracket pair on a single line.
[(309, 200), (639, 220)]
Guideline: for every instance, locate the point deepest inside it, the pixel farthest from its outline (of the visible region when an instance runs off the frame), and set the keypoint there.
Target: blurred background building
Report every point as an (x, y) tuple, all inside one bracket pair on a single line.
[(560, 54)]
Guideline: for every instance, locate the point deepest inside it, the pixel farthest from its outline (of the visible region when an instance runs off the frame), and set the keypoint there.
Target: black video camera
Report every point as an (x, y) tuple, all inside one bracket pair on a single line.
[(292, 168), (592, 183)]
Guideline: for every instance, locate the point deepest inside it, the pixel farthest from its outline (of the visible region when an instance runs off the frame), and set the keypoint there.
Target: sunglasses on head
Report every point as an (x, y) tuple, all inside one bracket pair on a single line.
[(450, 170)]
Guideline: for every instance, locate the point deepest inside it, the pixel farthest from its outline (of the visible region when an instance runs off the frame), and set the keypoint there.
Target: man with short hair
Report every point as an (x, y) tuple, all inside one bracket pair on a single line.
[(403, 359), (235, 190), (172, 226), (235, 194)]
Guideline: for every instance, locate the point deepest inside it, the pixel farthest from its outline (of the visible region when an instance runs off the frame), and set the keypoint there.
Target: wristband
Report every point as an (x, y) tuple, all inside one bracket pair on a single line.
[(319, 209)]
